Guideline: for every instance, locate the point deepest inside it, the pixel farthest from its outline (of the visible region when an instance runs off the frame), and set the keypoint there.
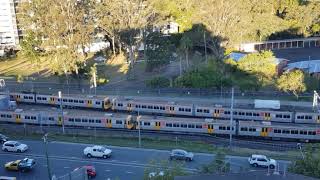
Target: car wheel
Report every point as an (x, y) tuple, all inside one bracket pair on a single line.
[(18, 151), (271, 166), (89, 155), (255, 165), (105, 156), (5, 149), (188, 159)]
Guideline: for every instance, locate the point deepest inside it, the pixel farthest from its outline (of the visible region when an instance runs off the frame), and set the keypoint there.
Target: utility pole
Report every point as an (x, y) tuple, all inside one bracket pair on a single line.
[(139, 127), (180, 65), (61, 110), (45, 141), (231, 117)]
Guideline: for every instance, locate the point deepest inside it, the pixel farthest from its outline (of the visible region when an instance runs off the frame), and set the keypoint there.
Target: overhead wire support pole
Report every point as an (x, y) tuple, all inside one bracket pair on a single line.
[(231, 117), (139, 128), (61, 110), (45, 140)]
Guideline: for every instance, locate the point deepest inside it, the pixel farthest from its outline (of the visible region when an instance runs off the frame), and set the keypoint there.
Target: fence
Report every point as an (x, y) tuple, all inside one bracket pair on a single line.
[(77, 174)]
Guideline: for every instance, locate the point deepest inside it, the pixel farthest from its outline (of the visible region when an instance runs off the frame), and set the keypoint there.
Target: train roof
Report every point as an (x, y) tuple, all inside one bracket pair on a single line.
[(277, 124), (180, 119), (66, 112)]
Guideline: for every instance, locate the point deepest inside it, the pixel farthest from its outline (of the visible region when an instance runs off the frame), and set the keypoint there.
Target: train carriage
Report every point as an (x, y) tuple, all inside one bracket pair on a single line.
[(307, 118), (23, 97)]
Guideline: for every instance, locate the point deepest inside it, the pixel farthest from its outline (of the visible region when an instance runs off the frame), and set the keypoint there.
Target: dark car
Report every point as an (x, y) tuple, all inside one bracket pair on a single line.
[(26, 164), (180, 154), (3, 138)]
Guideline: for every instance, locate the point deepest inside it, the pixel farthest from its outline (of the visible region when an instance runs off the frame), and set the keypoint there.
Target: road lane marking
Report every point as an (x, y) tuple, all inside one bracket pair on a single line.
[(129, 172), (107, 170), (66, 167)]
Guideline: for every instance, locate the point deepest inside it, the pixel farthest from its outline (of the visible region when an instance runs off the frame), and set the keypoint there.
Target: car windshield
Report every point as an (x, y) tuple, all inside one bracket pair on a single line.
[(103, 149), (18, 144)]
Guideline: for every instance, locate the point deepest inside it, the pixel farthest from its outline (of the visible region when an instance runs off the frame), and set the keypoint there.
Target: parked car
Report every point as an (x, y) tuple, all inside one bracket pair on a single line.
[(180, 154), (156, 174), (3, 138), (97, 151), (7, 178), (23, 165), (90, 170), (262, 160), (14, 146)]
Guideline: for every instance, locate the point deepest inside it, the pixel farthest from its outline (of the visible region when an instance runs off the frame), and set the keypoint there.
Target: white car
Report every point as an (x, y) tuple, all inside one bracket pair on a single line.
[(97, 151), (14, 146), (155, 174), (262, 160)]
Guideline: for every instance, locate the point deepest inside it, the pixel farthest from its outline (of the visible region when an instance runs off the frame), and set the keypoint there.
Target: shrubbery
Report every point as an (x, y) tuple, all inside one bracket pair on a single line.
[(158, 82)]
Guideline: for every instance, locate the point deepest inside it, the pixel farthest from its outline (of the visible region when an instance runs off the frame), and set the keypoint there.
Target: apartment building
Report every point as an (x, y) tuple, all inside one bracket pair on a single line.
[(9, 37)]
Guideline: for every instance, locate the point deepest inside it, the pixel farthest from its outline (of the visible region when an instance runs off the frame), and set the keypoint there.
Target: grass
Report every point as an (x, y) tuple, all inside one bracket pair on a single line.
[(157, 143)]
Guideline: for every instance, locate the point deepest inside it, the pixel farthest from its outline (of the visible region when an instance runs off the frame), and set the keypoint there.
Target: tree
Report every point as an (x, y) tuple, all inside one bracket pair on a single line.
[(292, 82), (185, 46), (218, 165), (310, 164), (159, 50), (170, 170), (94, 77), (262, 65)]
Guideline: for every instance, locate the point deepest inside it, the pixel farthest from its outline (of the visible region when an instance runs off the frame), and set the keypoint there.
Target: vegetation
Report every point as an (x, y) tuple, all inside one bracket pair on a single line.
[(309, 165), (169, 170), (218, 165), (292, 82), (158, 82)]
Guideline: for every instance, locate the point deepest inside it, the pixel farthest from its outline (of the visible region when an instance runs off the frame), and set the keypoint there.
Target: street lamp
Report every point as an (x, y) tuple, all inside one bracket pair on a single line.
[(62, 119), (45, 141), (231, 117)]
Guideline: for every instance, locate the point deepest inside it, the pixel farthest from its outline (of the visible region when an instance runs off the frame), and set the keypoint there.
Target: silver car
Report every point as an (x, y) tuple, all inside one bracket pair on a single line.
[(179, 154)]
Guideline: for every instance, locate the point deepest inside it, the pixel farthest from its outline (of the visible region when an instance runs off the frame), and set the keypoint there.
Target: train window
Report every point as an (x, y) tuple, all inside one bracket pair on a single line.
[(188, 110), (81, 101), (278, 115), (30, 97), (190, 125), (235, 113), (3, 115), (77, 120), (162, 108), (286, 116), (199, 126), (199, 110), (76, 101), (64, 100), (171, 108), (206, 110), (169, 124), (120, 104), (156, 107), (150, 107), (222, 128), (91, 121), (70, 119), (294, 132), (304, 132), (44, 98), (248, 114), (137, 106), (33, 117), (241, 113), (184, 125), (308, 117), (84, 120), (252, 129), (146, 123), (38, 98), (9, 116), (181, 109), (227, 112), (175, 125), (276, 131), (244, 129), (27, 117), (98, 121), (256, 114), (228, 128), (144, 106), (50, 118), (311, 133), (300, 117), (118, 122), (70, 100), (58, 100)]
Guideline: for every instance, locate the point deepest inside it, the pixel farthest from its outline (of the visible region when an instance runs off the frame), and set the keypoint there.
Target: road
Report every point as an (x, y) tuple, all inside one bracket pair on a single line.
[(124, 163)]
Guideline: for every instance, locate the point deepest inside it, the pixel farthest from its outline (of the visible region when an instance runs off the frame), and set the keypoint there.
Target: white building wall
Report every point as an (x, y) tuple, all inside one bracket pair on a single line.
[(8, 25)]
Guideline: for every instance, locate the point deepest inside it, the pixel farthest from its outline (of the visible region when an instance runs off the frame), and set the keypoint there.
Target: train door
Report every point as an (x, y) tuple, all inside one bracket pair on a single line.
[(52, 100), (18, 118), (210, 128), (129, 107), (18, 98), (266, 116), (170, 109), (89, 103), (60, 121), (217, 112), (264, 132), (107, 104), (157, 125), (318, 119), (108, 123), (114, 103), (130, 123)]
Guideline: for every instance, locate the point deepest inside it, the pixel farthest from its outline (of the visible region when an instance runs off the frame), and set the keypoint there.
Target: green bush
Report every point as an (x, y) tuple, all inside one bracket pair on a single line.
[(158, 82), (102, 81), (20, 78)]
